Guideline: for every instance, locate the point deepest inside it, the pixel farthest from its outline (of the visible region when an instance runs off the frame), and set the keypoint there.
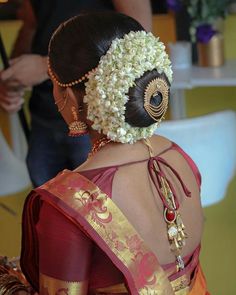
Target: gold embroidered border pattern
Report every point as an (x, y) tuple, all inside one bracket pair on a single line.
[(114, 229), (52, 286)]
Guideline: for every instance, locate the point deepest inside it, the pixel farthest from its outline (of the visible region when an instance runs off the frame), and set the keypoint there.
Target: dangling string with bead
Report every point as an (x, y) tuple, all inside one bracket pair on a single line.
[(175, 228)]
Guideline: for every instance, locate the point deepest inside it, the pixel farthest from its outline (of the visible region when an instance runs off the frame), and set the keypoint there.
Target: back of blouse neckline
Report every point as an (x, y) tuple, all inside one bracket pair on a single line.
[(133, 162)]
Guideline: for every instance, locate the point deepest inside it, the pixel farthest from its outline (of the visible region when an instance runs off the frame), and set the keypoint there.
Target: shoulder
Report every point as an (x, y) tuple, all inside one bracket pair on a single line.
[(160, 144), (62, 182), (175, 154)]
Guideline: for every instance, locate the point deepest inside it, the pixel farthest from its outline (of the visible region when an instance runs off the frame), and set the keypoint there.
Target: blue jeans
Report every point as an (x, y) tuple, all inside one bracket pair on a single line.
[(51, 150)]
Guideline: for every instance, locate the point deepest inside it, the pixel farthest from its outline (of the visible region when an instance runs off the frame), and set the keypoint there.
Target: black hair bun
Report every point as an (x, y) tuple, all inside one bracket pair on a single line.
[(135, 113)]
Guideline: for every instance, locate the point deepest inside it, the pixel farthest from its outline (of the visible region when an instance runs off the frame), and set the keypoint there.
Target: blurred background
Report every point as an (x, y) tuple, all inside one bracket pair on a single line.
[(173, 21)]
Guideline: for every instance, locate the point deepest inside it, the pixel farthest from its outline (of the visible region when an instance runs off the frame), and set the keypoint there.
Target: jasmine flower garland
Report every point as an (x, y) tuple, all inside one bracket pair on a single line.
[(106, 90)]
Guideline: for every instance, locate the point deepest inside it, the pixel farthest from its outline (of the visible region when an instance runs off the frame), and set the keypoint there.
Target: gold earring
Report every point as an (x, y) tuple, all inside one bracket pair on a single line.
[(77, 128)]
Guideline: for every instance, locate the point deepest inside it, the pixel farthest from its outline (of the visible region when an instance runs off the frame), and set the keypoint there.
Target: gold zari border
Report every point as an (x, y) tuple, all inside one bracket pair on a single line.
[(115, 289), (52, 286), (106, 219), (180, 287)]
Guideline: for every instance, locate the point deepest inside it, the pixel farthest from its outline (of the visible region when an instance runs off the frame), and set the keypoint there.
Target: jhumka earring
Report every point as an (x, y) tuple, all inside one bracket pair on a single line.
[(77, 128)]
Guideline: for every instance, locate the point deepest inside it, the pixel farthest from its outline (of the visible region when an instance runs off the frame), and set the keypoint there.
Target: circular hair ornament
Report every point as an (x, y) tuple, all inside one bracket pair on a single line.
[(154, 87)]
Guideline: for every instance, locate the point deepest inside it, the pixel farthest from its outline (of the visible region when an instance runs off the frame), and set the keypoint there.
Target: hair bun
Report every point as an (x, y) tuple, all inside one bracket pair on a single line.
[(148, 99)]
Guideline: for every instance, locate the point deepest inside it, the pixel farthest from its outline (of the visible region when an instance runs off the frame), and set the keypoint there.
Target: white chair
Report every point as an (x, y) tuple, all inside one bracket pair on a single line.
[(14, 176), (211, 142)]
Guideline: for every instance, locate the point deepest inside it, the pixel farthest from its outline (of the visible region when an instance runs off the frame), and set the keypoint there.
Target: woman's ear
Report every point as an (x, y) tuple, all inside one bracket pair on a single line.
[(73, 96)]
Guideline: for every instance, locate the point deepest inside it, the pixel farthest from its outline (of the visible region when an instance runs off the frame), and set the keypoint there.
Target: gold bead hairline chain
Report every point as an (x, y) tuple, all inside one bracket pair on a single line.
[(69, 84)]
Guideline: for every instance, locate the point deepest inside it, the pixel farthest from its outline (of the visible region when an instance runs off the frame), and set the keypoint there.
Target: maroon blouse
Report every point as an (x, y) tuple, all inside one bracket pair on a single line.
[(66, 253)]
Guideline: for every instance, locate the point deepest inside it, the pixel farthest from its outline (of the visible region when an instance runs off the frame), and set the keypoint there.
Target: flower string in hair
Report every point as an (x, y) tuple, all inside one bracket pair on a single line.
[(108, 85), (69, 84)]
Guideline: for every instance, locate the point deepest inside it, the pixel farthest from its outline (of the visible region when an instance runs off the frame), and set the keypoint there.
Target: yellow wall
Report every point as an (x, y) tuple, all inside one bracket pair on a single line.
[(9, 30), (163, 26), (230, 36)]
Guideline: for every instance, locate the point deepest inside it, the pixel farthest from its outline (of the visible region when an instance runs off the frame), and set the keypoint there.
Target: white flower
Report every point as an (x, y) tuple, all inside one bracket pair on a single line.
[(126, 60)]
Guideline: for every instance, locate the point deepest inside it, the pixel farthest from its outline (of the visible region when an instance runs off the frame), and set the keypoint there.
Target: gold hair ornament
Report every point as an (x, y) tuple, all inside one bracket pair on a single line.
[(152, 89), (69, 84)]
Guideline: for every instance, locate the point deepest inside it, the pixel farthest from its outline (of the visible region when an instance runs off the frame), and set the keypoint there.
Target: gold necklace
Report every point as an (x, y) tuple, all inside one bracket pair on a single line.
[(98, 145)]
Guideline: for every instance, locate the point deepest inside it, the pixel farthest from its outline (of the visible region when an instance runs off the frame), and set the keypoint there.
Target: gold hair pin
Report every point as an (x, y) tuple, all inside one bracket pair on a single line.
[(153, 87)]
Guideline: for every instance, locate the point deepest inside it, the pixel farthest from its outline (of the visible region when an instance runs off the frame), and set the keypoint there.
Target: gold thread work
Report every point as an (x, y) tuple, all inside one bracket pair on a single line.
[(152, 89), (50, 285)]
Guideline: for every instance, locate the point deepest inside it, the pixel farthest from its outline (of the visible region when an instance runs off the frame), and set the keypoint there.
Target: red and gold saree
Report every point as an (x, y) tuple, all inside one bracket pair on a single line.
[(104, 254)]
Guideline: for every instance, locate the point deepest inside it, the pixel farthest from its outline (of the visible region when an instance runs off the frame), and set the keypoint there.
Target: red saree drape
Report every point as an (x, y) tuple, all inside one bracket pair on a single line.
[(93, 218)]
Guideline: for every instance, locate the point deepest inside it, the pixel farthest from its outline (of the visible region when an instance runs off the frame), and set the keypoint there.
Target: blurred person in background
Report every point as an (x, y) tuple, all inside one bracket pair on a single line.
[(50, 147), (8, 9)]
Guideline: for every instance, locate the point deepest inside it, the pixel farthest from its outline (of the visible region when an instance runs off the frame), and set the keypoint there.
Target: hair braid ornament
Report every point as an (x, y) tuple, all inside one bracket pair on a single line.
[(108, 85), (153, 88)]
